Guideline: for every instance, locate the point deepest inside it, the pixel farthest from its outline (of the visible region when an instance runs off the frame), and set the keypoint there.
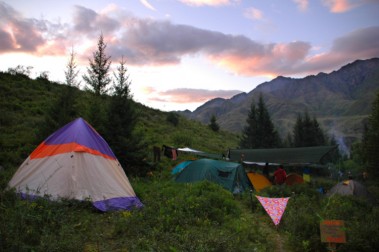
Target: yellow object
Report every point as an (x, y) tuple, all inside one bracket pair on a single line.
[(258, 180), (307, 177)]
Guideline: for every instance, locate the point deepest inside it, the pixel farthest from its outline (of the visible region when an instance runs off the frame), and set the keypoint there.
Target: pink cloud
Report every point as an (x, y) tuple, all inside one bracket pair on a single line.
[(151, 42), (147, 5), (20, 34), (359, 44), (188, 95), (340, 6), (302, 4), (253, 13)]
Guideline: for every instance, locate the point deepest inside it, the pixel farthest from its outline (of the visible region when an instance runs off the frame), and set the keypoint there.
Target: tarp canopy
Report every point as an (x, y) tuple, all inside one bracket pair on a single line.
[(200, 153), (303, 155), (75, 162), (189, 150), (229, 175)]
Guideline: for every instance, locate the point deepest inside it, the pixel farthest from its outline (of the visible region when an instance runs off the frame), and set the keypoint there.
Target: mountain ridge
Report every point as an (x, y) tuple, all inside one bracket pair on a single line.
[(340, 101)]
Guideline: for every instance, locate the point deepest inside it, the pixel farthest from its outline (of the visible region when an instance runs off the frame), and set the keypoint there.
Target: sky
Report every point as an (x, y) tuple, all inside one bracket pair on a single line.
[(182, 53)]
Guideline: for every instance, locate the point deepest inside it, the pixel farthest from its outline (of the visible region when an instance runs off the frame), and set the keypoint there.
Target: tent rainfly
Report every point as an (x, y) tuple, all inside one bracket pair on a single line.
[(75, 162), (229, 175), (303, 155)]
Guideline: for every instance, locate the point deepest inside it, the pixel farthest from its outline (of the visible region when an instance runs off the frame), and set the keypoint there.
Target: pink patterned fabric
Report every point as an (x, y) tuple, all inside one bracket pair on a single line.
[(274, 207)]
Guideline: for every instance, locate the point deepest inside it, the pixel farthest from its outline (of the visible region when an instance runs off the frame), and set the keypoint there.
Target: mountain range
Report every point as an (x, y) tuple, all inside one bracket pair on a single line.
[(340, 101)]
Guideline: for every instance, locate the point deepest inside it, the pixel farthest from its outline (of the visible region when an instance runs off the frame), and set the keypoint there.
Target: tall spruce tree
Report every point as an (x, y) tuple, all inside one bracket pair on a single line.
[(121, 121), (63, 108), (98, 80), (259, 133), (370, 142), (213, 125), (71, 72), (98, 72), (307, 132)]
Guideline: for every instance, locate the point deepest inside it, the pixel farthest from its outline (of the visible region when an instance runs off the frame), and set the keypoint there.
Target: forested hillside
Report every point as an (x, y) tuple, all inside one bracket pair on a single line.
[(26, 103)]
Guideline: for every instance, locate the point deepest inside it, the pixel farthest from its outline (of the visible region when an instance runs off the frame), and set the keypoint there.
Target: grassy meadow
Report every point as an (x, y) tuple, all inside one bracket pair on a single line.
[(175, 217)]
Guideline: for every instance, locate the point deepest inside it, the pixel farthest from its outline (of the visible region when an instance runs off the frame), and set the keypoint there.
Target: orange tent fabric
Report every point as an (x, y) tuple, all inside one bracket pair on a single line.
[(294, 178), (258, 180)]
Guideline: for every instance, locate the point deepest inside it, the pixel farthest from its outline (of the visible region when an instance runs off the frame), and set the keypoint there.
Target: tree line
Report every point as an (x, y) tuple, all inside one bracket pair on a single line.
[(260, 132), (108, 107)]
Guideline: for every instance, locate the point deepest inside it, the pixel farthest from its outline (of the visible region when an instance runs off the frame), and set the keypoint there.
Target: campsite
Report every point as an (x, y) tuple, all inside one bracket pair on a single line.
[(165, 204)]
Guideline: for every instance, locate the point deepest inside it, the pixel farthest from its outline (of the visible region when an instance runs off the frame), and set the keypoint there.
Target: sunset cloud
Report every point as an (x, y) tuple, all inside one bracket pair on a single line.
[(148, 42), (359, 44), (17, 33), (188, 95), (147, 5), (340, 6), (302, 5), (253, 13)]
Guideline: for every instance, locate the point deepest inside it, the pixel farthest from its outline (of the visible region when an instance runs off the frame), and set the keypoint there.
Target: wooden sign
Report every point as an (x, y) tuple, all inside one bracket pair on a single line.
[(333, 231)]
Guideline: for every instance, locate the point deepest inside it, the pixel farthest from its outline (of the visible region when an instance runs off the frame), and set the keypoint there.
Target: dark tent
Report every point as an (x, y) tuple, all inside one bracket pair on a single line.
[(229, 175), (293, 179), (303, 155), (350, 187)]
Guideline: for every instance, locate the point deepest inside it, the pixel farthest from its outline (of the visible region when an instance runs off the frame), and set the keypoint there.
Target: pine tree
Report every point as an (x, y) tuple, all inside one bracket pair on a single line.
[(213, 124), (259, 131), (370, 142), (247, 140), (122, 117), (307, 132), (71, 73), (98, 76), (98, 80), (63, 109)]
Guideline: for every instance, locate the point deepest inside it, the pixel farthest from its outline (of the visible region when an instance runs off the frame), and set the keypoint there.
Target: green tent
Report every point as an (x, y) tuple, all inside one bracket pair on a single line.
[(229, 175), (303, 155)]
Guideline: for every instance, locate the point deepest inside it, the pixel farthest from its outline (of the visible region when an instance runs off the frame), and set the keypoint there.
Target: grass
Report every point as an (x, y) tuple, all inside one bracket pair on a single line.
[(175, 217)]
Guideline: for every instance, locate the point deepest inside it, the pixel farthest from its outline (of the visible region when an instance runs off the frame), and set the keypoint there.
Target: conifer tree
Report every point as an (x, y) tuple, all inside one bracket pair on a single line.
[(63, 109), (213, 124), (122, 117), (97, 80), (370, 142), (98, 72), (71, 72), (259, 131), (307, 132)]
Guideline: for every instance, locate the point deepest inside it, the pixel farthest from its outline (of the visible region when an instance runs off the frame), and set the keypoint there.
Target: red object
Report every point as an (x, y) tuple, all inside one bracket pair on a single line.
[(280, 176)]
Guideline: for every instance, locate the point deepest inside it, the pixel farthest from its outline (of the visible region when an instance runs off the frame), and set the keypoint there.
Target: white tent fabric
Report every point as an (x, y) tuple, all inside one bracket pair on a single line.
[(76, 163)]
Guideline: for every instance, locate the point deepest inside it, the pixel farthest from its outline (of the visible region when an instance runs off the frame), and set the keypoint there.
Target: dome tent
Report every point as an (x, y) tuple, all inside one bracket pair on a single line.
[(229, 175), (75, 162), (350, 187)]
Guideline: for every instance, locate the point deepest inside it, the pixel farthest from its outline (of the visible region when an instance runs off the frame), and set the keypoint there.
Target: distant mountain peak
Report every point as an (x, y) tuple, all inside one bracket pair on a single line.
[(340, 99)]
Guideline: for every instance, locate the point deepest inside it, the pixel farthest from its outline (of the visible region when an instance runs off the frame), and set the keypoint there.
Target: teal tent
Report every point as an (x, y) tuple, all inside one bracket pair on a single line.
[(180, 167), (229, 175)]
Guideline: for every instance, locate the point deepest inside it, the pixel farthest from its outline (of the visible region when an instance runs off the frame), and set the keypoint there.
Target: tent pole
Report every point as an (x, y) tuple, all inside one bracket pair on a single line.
[(251, 200)]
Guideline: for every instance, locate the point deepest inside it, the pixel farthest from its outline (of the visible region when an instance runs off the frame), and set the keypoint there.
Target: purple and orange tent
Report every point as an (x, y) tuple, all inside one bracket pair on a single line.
[(75, 162)]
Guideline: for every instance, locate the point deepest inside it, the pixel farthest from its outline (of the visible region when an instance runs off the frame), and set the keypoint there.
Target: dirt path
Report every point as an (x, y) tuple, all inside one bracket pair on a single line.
[(279, 243)]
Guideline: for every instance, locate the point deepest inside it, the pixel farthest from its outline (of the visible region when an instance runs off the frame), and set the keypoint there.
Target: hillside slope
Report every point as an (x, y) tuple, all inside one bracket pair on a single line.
[(24, 103)]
